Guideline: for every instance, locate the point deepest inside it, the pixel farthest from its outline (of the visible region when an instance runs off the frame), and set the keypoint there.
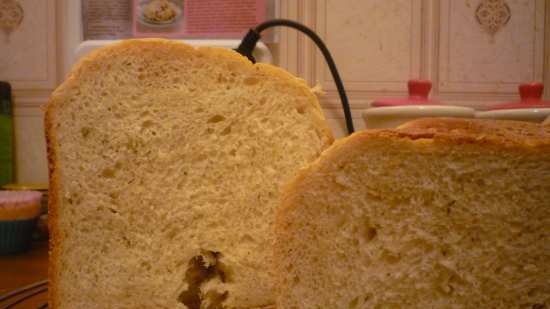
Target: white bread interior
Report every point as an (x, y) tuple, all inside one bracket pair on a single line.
[(440, 213), (166, 164)]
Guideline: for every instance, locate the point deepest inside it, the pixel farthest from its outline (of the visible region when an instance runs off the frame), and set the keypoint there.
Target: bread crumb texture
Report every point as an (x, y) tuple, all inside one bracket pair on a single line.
[(439, 213), (166, 164)]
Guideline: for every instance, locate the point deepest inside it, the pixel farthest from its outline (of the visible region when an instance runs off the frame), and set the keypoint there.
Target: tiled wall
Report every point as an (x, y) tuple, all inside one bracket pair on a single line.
[(378, 45)]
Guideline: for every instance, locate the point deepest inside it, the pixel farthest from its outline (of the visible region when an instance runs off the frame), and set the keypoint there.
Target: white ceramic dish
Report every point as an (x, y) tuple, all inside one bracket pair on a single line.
[(526, 114), (393, 112), (394, 116), (531, 106)]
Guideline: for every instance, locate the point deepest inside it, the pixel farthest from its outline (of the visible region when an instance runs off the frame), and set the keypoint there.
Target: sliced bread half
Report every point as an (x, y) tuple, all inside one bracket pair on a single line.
[(439, 213), (166, 164)]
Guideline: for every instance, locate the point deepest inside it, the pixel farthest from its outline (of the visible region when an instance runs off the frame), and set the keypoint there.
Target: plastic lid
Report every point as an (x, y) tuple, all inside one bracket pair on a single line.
[(419, 90), (19, 197), (531, 97)]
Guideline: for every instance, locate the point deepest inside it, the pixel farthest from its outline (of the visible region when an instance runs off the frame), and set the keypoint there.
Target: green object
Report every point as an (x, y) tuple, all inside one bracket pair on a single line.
[(16, 235), (6, 135)]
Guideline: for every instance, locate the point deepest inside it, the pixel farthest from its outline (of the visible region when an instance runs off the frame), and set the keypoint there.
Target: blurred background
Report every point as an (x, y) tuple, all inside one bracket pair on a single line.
[(475, 52)]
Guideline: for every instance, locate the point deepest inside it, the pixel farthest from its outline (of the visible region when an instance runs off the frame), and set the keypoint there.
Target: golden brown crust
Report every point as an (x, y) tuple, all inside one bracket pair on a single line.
[(53, 198), (500, 133), (89, 63)]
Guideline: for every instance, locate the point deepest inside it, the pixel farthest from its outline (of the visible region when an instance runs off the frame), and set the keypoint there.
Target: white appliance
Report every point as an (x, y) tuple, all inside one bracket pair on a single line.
[(75, 46)]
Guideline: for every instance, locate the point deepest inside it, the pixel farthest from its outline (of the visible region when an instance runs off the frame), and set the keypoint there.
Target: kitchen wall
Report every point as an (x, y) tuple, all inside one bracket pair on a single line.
[(377, 44), (476, 52), (28, 60)]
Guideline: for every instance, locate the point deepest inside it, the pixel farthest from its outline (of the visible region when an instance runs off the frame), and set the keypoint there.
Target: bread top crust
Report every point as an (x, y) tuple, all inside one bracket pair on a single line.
[(523, 138), (174, 49), (498, 133)]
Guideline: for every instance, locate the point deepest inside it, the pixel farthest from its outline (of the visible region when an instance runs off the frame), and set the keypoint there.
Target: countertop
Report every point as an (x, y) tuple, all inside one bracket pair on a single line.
[(20, 270)]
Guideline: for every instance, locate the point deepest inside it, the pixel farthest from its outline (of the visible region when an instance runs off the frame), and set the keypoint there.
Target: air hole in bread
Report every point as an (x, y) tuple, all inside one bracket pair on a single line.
[(73, 199), (201, 269), (300, 109), (216, 118), (370, 233), (114, 195), (147, 124), (214, 300), (390, 257), (226, 131), (85, 131), (445, 250), (247, 238), (108, 173), (353, 303), (145, 265), (249, 81), (368, 230)]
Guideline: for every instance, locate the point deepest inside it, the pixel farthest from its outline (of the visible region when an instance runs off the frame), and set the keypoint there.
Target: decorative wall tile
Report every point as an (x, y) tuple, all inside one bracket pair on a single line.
[(493, 15), (473, 59), (27, 52)]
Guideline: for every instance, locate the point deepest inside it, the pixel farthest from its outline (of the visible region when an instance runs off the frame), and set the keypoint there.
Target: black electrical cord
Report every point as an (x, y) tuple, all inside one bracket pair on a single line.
[(253, 36)]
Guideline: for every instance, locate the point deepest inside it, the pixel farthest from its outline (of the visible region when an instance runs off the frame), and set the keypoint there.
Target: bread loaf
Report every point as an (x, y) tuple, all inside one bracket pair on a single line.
[(166, 163), (439, 213)]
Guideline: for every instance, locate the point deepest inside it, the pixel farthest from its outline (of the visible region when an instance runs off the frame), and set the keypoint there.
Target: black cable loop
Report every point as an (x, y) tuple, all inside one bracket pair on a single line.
[(253, 36)]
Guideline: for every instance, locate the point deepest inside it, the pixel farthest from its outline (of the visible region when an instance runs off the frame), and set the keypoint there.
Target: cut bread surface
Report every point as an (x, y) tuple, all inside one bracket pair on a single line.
[(166, 164), (440, 213)]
